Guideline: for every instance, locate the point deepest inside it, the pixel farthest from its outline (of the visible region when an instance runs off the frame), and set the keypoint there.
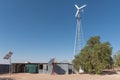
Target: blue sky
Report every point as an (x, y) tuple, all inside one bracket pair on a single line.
[(37, 30)]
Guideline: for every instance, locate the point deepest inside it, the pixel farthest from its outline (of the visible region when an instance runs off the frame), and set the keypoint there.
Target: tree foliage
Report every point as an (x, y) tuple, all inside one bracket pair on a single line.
[(117, 59), (94, 57)]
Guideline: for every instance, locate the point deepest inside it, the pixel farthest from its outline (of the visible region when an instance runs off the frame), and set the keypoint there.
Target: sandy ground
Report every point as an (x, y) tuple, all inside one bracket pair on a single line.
[(27, 76)]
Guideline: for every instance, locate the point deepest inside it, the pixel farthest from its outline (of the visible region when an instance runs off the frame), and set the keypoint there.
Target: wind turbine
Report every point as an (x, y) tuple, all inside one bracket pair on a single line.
[(79, 9), (79, 34)]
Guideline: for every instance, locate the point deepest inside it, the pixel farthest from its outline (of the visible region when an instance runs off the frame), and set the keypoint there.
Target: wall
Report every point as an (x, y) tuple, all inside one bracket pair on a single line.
[(18, 67), (4, 68), (59, 68), (45, 68)]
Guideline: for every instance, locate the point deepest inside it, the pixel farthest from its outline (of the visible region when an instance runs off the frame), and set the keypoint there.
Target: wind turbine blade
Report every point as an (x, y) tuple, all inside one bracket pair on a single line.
[(76, 6), (83, 6), (76, 13)]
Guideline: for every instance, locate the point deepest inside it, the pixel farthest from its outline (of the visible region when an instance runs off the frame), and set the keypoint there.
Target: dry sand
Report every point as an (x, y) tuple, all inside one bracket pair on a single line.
[(27, 76)]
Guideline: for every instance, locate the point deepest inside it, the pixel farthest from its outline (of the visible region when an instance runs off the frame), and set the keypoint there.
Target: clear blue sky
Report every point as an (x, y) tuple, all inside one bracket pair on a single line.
[(37, 30)]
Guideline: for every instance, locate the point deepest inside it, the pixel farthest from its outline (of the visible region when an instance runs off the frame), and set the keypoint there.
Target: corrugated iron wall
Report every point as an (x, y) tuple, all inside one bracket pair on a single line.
[(4, 68)]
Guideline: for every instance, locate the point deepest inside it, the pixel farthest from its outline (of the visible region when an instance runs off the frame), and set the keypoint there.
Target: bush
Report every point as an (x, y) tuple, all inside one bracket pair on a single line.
[(94, 57)]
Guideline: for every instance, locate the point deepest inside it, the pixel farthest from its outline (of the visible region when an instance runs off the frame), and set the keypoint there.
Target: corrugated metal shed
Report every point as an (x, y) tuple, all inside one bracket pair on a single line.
[(58, 68)]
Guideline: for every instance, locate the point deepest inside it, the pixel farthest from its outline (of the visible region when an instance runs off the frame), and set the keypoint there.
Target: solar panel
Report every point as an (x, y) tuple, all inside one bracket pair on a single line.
[(51, 61), (7, 56)]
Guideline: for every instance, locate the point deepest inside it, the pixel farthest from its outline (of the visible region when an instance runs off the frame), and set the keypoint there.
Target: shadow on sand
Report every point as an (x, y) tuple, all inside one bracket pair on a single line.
[(108, 72), (6, 79), (103, 73)]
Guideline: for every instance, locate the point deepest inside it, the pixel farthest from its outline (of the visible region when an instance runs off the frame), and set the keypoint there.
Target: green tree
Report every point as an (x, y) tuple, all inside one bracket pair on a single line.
[(117, 59), (94, 57)]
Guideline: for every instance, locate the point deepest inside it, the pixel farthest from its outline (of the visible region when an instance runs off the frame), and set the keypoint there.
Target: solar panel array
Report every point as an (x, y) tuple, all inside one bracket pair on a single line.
[(51, 61), (7, 56)]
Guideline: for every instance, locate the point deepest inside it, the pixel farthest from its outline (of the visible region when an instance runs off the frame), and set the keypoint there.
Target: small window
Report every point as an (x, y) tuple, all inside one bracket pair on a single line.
[(41, 66), (46, 67)]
